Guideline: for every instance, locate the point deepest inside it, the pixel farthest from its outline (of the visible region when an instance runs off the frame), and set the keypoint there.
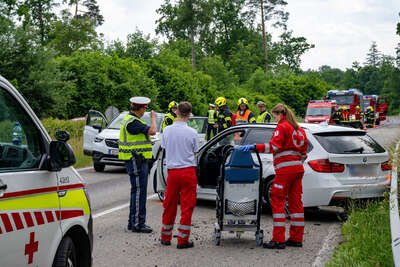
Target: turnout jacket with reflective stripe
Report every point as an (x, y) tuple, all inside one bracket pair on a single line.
[(288, 146)]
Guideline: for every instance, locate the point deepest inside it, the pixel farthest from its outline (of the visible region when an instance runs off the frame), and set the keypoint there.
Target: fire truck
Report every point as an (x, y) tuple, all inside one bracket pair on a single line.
[(379, 104), (350, 99), (320, 111)]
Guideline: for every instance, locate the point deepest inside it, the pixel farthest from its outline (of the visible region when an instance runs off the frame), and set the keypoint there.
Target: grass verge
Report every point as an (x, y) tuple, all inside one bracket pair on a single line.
[(75, 129)]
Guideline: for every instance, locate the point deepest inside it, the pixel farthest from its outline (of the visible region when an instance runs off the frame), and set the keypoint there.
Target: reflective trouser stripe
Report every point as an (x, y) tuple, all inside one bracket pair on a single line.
[(182, 235), (297, 215), (279, 224), (297, 223), (184, 227), (288, 163), (278, 215), (168, 226), (166, 232)]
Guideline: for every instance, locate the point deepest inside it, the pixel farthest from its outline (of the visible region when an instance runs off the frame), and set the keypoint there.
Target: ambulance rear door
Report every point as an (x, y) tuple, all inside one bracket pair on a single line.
[(29, 204)]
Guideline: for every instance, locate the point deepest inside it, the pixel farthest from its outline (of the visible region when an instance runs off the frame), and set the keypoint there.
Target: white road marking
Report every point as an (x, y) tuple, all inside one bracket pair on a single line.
[(84, 169), (117, 208), (326, 250)]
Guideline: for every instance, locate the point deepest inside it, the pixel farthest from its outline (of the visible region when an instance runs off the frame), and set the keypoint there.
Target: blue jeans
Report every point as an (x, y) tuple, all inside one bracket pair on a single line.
[(138, 178)]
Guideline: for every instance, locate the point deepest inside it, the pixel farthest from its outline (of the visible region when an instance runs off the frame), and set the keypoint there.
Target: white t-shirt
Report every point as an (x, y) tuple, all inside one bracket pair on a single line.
[(180, 142)]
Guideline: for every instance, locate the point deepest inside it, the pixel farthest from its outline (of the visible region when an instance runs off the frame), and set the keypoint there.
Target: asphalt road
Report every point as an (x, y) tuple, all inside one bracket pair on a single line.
[(109, 193)]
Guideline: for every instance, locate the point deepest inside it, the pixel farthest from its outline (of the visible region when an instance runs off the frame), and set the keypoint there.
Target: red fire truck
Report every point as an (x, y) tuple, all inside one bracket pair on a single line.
[(320, 111), (350, 99), (379, 104)]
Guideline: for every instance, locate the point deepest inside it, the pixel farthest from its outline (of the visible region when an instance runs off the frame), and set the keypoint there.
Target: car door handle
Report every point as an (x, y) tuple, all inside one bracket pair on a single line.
[(3, 186)]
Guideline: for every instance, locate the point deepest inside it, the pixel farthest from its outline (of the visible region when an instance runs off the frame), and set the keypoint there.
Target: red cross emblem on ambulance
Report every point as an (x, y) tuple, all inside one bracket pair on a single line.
[(31, 247)]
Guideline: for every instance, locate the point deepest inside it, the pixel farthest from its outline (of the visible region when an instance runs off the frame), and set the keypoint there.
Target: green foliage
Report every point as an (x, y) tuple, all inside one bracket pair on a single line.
[(367, 238)]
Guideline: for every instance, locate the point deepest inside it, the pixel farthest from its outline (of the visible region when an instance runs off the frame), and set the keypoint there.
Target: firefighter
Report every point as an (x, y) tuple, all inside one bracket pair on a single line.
[(369, 117), (244, 114), (337, 115), (224, 116), (289, 147), (356, 123), (264, 116), (345, 116), (211, 120), (180, 143), (170, 117), (135, 149)]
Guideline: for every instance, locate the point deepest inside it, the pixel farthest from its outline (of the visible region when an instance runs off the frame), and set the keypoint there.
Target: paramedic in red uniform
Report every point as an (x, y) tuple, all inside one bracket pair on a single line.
[(180, 143), (289, 147)]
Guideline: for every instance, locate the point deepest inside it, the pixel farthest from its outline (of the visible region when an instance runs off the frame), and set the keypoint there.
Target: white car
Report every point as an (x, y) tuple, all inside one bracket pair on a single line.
[(343, 163), (101, 137)]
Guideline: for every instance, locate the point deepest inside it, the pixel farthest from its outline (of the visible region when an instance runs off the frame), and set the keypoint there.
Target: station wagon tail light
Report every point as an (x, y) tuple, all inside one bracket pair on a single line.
[(386, 166), (324, 165)]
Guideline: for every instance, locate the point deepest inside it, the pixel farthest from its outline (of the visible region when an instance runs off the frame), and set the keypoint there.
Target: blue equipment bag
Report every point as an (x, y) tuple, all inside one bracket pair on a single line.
[(240, 168)]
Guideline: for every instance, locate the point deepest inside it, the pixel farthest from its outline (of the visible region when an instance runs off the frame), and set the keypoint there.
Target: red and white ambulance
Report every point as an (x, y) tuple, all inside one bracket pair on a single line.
[(45, 217)]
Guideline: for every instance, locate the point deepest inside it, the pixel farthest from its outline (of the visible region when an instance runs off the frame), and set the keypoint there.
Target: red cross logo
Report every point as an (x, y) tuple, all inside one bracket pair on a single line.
[(298, 138), (31, 247)]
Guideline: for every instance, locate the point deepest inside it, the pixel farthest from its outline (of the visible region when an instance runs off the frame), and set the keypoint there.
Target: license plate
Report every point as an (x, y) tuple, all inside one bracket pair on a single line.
[(363, 170), (113, 152)]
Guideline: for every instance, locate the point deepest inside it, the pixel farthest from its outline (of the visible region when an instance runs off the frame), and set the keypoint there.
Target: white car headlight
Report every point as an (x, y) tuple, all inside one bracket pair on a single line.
[(98, 139)]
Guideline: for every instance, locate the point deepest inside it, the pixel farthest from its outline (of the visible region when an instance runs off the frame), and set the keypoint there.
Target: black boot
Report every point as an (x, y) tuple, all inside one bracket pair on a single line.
[(291, 243), (274, 245)]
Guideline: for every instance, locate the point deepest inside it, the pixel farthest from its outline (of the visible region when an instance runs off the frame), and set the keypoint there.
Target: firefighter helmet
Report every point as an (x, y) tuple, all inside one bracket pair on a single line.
[(220, 101), (344, 108), (370, 108), (172, 104), (357, 107), (243, 100)]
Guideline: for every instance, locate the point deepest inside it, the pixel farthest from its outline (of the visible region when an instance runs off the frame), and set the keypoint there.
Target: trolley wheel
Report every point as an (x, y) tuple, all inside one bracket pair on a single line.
[(259, 237), (217, 237)]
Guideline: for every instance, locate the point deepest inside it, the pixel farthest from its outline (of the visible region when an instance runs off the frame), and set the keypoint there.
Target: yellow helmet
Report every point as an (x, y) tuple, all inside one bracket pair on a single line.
[(220, 101), (242, 100), (357, 107), (344, 108), (370, 108), (172, 104)]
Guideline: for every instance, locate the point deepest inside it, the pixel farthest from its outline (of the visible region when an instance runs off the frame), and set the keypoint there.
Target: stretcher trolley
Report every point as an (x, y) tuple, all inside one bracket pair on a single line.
[(239, 199)]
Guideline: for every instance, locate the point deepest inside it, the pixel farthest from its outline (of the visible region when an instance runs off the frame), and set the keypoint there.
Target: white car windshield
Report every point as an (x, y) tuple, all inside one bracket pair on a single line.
[(116, 123)]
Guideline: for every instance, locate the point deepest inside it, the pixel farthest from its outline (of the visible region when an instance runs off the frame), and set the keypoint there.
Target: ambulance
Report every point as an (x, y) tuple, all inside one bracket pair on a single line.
[(45, 217)]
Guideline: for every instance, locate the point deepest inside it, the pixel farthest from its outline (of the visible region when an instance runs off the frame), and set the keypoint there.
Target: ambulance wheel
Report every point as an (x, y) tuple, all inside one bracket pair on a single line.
[(66, 254), (217, 237), (99, 167), (259, 237)]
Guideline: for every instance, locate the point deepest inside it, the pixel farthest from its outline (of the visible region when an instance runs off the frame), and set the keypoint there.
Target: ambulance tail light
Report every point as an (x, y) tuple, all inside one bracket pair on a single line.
[(386, 166), (325, 166)]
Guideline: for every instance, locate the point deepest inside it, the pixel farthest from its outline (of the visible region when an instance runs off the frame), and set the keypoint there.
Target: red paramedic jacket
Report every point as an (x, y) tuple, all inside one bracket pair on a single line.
[(288, 146)]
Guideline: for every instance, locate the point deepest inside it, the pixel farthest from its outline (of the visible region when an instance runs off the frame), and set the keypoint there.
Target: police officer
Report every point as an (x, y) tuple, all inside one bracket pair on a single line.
[(170, 117), (211, 120), (135, 149), (224, 118), (264, 116)]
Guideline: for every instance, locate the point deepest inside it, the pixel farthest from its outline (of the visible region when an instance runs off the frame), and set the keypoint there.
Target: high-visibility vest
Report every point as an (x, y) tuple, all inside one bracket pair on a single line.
[(261, 117), (129, 143), (211, 116), (242, 119), (165, 123)]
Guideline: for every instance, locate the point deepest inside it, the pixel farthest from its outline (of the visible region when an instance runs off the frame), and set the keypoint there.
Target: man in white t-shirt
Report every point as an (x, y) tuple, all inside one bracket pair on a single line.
[(180, 143)]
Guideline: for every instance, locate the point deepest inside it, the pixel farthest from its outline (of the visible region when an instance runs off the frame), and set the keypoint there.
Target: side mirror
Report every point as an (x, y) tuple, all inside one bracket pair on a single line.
[(62, 136), (97, 127), (61, 156)]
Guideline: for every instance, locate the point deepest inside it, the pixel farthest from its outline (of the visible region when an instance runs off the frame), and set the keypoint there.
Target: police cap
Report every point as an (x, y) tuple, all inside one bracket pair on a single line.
[(140, 101)]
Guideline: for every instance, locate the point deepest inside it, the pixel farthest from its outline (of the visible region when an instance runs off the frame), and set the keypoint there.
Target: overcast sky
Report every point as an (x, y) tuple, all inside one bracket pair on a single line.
[(341, 30)]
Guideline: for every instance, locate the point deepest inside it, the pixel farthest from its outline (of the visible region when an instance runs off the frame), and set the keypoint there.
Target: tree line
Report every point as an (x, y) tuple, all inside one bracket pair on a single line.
[(213, 48)]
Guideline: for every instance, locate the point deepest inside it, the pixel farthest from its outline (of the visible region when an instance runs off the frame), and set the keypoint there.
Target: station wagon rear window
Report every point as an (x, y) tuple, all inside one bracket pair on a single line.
[(348, 143)]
